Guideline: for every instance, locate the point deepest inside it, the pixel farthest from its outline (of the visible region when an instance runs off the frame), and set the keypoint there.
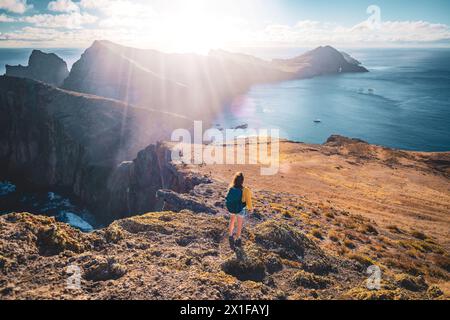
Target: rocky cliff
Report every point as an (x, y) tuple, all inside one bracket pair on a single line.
[(46, 67), (78, 143), (190, 84)]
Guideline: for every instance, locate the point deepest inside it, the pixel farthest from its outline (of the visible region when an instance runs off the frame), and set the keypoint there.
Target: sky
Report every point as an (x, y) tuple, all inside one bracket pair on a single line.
[(201, 25)]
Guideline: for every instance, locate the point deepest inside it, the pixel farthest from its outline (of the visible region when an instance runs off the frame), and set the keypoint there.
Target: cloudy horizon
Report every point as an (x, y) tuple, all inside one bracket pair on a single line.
[(199, 25)]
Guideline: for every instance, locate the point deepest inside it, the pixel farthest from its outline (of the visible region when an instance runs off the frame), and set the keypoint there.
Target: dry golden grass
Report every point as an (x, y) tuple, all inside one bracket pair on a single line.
[(369, 182)]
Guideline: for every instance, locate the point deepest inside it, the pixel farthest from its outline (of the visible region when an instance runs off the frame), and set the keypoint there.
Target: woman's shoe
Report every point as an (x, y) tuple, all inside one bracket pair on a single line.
[(238, 242), (231, 241)]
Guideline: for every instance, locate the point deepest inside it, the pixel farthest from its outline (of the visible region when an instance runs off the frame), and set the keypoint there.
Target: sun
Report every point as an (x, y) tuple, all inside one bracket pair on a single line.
[(194, 26)]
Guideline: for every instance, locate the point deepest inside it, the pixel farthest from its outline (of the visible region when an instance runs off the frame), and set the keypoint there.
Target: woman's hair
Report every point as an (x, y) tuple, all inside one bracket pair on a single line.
[(238, 181)]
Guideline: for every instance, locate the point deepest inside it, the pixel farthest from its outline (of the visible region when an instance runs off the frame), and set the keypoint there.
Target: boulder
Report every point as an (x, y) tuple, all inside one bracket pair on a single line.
[(176, 202)]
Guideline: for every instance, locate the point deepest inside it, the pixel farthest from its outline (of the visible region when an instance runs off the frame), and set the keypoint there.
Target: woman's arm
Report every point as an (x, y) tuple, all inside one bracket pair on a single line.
[(248, 199)]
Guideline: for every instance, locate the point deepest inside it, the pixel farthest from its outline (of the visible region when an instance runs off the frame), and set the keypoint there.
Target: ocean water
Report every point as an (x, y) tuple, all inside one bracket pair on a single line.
[(403, 102), (15, 199)]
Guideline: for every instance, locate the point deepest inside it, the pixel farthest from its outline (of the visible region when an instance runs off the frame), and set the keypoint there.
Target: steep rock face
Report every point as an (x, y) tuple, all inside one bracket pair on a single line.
[(51, 138), (133, 186), (46, 67), (320, 61)]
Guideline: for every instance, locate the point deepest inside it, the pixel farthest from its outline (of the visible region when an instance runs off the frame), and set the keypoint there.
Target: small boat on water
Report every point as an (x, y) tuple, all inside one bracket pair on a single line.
[(317, 121)]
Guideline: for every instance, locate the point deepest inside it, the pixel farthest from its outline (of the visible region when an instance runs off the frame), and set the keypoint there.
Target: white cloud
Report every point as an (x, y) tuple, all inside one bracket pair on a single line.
[(47, 37), (15, 6), (94, 4), (63, 6), (136, 22), (72, 20), (30, 34), (388, 32), (5, 18), (114, 9)]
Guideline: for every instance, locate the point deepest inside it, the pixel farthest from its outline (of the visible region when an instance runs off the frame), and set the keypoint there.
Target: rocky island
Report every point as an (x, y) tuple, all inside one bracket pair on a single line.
[(320, 61)]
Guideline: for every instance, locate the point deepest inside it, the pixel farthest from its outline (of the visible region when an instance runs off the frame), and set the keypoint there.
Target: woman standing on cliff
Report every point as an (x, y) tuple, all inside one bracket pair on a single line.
[(239, 204)]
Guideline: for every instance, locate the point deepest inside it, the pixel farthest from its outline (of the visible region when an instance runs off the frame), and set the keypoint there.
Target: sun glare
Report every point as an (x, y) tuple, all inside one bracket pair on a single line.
[(185, 27), (193, 33)]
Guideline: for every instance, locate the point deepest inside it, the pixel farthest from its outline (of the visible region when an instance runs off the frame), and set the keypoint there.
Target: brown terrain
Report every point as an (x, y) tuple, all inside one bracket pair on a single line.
[(391, 187)]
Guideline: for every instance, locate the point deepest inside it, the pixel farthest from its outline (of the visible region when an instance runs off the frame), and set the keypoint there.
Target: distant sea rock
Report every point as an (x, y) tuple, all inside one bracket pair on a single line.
[(320, 61), (45, 67)]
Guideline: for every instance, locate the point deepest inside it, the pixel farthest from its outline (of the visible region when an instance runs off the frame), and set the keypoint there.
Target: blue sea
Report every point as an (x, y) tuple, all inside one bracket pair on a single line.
[(403, 102)]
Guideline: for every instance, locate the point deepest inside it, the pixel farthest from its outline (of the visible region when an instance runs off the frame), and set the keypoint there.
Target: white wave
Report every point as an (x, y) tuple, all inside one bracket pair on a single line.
[(6, 187)]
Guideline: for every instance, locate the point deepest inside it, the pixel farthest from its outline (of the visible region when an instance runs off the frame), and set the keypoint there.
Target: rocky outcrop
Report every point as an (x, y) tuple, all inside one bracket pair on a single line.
[(360, 150), (46, 67), (336, 140), (51, 138), (175, 201), (320, 61)]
